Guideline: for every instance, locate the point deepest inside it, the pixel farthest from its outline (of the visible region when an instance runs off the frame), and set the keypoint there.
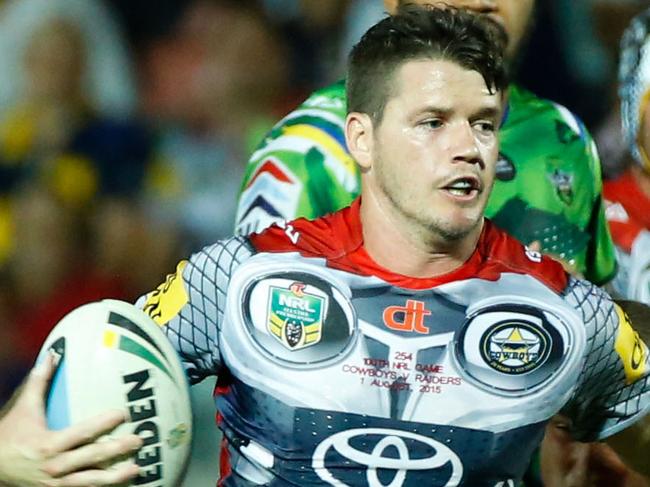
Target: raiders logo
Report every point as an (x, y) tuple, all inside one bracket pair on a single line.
[(505, 169)]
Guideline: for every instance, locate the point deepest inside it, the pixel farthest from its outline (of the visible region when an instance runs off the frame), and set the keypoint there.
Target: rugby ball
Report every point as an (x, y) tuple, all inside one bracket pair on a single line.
[(112, 355)]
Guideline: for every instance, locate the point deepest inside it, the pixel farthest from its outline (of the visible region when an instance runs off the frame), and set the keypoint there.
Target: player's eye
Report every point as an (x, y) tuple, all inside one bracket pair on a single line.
[(485, 126), (433, 123)]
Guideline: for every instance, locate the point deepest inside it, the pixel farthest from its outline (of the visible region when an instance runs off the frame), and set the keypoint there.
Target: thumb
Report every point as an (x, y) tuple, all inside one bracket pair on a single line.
[(35, 388)]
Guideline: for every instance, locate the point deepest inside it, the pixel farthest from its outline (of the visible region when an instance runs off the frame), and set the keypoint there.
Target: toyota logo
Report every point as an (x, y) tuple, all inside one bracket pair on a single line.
[(376, 459)]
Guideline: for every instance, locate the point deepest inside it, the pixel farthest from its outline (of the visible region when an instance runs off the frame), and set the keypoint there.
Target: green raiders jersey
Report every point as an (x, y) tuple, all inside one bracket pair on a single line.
[(547, 190)]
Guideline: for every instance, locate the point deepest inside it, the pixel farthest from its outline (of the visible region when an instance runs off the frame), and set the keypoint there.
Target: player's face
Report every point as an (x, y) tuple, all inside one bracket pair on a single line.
[(435, 149), (513, 15)]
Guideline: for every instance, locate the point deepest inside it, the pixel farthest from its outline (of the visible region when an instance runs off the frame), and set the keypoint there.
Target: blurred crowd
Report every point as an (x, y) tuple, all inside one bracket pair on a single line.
[(125, 128)]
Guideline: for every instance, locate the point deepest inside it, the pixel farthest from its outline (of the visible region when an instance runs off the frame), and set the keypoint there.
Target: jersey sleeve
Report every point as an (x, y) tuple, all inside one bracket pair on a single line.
[(302, 168), (613, 390), (601, 255), (190, 304)]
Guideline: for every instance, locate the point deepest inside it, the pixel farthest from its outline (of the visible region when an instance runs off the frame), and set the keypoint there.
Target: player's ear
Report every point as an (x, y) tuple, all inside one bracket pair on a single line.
[(359, 138)]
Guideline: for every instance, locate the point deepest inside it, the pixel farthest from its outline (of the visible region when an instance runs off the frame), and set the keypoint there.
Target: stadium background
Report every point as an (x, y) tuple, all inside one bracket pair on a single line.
[(125, 127)]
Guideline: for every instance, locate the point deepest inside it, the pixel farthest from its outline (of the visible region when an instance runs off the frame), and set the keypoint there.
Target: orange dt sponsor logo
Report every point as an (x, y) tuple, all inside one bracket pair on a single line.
[(407, 318)]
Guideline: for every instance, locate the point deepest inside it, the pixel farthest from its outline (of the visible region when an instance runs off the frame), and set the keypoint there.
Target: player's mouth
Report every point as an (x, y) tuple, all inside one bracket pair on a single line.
[(464, 187)]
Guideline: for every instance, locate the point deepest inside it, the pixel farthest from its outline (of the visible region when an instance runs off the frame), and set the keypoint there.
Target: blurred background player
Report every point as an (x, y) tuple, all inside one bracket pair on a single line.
[(628, 196)]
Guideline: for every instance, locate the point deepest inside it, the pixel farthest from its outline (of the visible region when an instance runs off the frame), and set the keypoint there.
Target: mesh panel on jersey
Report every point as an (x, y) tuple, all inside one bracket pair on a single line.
[(602, 399), (195, 330)]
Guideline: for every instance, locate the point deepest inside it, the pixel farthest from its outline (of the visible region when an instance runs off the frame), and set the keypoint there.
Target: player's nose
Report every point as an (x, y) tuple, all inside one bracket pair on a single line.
[(466, 147)]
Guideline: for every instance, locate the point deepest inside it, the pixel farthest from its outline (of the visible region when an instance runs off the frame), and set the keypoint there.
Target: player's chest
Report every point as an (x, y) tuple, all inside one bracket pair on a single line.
[(469, 353)]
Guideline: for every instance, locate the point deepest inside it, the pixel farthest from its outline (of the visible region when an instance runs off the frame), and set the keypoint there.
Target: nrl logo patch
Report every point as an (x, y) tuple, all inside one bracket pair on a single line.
[(295, 317)]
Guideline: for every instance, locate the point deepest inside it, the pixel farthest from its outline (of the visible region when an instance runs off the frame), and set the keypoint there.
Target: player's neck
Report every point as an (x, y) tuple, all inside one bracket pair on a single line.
[(405, 248)]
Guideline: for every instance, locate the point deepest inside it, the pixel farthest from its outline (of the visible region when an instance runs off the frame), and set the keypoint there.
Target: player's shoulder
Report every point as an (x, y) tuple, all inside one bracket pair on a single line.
[(322, 112), (504, 253), (329, 236), (331, 98), (524, 105), (327, 103), (225, 253)]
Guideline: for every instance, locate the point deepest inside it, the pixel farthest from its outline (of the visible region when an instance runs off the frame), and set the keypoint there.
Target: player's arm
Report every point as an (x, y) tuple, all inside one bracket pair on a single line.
[(33, 455), (633, 443), (613, 390), (189, 305)]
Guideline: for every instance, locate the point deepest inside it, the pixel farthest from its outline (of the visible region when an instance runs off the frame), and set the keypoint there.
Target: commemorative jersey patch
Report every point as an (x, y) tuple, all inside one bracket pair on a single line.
[(297, 318), (512, 348), (515, 347)]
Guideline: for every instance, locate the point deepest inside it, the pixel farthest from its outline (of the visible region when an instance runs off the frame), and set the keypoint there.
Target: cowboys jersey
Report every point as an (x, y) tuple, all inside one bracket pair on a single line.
[(334, 371)]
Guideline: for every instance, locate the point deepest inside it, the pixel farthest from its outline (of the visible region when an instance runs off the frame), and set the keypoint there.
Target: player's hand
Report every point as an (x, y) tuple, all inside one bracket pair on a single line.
[(32, 455), (568, 463)]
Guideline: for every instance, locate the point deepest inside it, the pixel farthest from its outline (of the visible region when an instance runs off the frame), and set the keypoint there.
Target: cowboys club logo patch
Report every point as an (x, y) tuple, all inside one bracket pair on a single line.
[(295, 317), (515, 347), (512, 348)]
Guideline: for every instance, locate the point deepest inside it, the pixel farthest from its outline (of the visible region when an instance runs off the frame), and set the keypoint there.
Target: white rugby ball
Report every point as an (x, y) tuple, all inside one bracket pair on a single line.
[(112, 355)]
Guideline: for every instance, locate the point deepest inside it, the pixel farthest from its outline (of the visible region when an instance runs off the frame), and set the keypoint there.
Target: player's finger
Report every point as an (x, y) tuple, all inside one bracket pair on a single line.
[(577, 476), (33, 393), (86, 431), (91, 455), (113, 476)]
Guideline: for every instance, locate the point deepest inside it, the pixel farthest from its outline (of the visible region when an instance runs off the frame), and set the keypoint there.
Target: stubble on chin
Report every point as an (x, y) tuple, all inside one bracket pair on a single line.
[(448, 232)]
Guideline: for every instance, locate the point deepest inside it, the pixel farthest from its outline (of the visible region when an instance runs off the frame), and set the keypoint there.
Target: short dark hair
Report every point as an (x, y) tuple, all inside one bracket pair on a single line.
[(417, 32)]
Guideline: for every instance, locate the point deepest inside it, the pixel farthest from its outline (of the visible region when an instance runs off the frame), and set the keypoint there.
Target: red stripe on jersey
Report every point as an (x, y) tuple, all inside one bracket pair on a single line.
[(225, 465), (626, 192), (270, 167), (338, 238), (625, 233)]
